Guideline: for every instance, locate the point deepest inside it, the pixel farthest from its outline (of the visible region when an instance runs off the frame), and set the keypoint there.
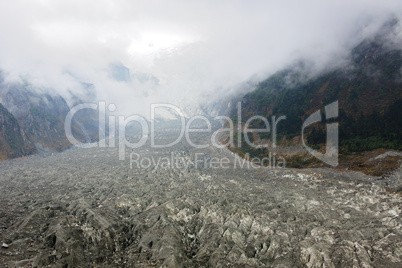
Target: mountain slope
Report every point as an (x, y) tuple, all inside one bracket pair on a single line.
[(369, 94), (41, 116), (13, 142)]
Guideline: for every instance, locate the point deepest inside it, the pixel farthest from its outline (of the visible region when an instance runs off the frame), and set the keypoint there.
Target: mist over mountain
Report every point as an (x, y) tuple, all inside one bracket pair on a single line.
[(367, 90), (202, 68), (39, 115), (178, 53)]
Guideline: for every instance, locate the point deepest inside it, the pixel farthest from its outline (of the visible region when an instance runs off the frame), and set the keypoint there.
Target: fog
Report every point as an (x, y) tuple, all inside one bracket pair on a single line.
[(197, 51)]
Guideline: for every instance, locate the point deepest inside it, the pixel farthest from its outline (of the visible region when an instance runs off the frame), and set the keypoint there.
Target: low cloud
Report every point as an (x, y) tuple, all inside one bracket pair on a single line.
[(198, 51)]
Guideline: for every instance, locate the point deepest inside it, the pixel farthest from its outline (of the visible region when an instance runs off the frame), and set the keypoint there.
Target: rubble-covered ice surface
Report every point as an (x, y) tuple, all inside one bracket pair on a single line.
[(85, 208)]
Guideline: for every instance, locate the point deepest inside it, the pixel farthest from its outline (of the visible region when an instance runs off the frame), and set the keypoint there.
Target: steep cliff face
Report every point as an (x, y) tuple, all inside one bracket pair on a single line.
[(41, 116), (13, 142)]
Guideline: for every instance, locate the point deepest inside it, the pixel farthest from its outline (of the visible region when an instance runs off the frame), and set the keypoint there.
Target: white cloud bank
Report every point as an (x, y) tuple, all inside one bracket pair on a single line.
[(195, 48)]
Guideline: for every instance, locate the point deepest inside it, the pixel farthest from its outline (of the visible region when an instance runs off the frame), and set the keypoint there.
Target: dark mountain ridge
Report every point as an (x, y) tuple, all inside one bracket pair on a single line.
[(13, 142), (369, 95), (39, 115)]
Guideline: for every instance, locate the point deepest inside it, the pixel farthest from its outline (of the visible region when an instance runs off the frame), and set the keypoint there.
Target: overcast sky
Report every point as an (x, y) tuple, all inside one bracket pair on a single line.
[(197, 49)]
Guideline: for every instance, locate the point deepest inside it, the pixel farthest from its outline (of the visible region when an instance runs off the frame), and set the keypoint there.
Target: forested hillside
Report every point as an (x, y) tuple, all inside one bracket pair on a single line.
[(368, 90)]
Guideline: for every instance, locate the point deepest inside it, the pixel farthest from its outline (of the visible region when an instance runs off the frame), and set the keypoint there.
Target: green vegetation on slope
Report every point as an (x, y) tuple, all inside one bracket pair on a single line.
[(369, 95)]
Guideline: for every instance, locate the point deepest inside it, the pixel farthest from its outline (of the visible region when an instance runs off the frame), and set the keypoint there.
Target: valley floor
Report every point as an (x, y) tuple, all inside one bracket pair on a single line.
[(85, 208)]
